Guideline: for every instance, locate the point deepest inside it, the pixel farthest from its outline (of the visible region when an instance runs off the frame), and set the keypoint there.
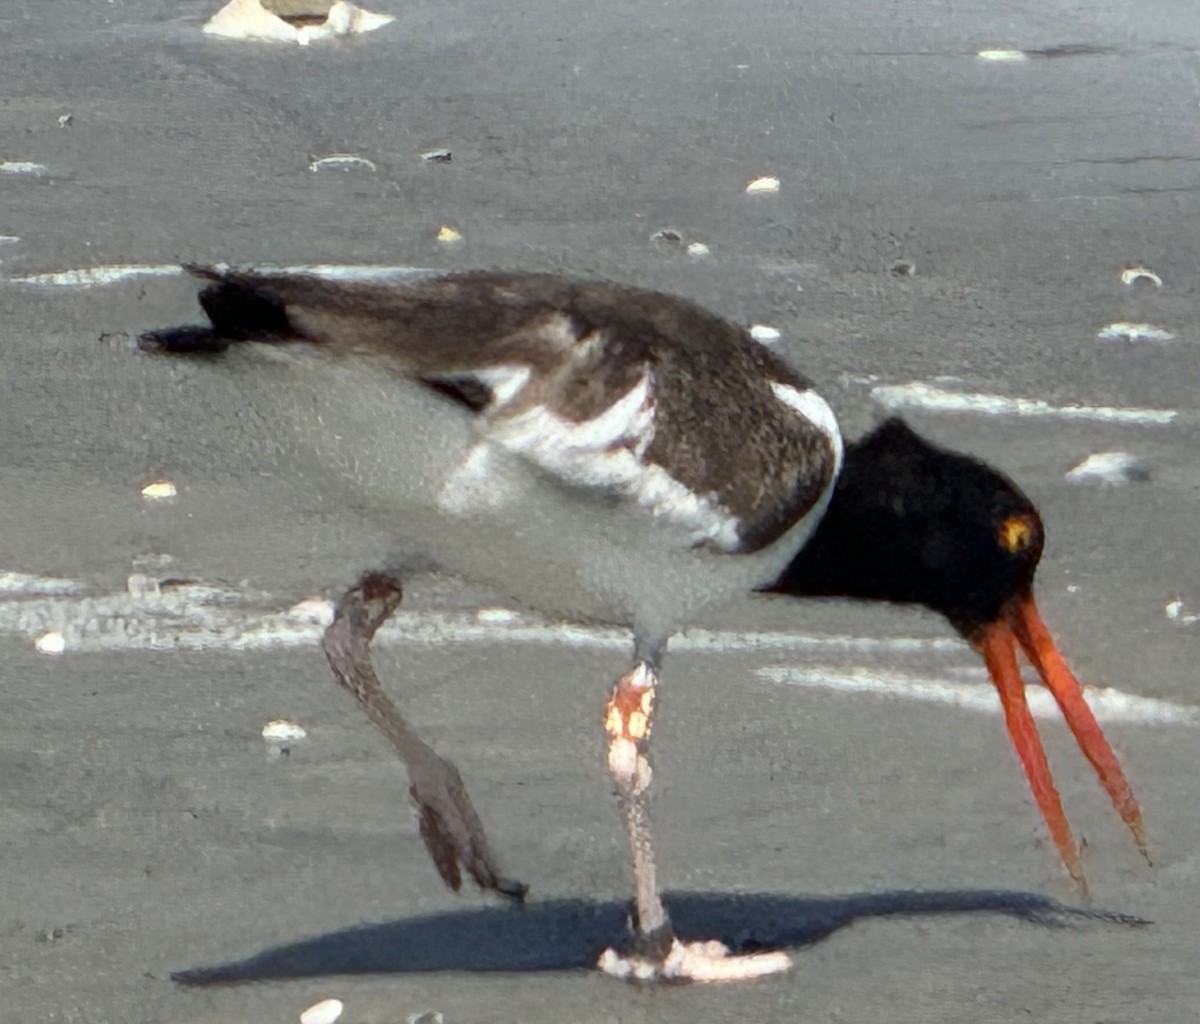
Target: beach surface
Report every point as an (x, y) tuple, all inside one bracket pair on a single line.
[(947, 240)]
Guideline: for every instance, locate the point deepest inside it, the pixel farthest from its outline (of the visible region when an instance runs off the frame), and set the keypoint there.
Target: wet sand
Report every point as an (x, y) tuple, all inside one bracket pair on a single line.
[(890, 841)]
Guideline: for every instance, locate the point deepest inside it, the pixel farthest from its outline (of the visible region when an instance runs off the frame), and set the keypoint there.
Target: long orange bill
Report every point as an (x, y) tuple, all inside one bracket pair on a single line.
[(997, 643), (1043, 654)]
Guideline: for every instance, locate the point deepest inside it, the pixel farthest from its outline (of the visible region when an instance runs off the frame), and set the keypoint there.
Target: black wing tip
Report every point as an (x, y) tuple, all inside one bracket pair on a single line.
[(204, 271)]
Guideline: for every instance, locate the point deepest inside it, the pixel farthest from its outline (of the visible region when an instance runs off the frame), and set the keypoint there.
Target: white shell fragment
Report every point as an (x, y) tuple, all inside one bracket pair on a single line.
[(1003, 56), (280, 730), (342, 162), (280, 734), (1135, 275), (52, 642), (1110, 468), (159, 490), (437, 156), (449, 234), (671, 238), (764, 334), (1124, 331), (251, 19), (324, 1012), (762, 186), (496, 616), (1173, 609), (24, 167), (66, 120)]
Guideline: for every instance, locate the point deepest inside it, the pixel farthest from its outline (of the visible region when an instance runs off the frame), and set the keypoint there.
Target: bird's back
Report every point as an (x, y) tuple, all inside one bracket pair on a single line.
[(590, 448)]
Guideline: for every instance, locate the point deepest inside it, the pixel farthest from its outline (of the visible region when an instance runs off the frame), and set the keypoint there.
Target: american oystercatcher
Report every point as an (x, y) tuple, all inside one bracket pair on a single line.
[(626, 456)]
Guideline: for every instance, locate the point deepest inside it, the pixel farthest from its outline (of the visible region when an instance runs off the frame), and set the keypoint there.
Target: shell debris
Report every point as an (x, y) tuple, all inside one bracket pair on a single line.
[(342, 162), (1110, 468), (24, 167), (52, 642), (1125, 331), (762, 186), (280, 734), (324, 1012), (1003, 56), (280, 730), (496, 616), (159, 490), (437, 156), (449, 234), (670, 238), (288, 21), (1136, 275)]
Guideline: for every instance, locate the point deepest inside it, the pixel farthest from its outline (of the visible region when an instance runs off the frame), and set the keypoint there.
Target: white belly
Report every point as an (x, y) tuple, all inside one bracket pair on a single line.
[(416, 463)]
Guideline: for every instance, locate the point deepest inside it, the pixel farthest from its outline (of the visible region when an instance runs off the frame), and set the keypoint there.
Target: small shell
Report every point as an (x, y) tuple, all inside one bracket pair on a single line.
[(1003, 56), (765, 334), (1173, 608), (762, 186), (50, 643), (1110, 468), (1125, 331), (24, 167), (437, 156), (250, 19), (280, 730), (342, 162), (1133, 275), (324, 1012), (698, 250), (159, 490), (668, 235), (65, 120), (448, 234), (496, 616)]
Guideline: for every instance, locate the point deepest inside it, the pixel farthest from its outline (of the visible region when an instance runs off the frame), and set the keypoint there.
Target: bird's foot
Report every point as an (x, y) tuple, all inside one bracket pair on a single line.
[(693, 961), (451, 828)]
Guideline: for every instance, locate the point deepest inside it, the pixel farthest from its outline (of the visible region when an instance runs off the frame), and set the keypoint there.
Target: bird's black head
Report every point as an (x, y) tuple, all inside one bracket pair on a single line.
[(910, 522), (913, 523)]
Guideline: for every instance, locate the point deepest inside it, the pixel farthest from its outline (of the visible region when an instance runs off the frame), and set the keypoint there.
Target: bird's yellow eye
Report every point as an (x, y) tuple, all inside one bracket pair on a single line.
[(1016, 534)]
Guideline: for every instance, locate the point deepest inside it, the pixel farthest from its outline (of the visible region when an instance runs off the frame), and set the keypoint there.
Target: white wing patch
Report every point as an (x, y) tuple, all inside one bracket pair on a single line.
[(504, 382), (608, 451), (816, 410)]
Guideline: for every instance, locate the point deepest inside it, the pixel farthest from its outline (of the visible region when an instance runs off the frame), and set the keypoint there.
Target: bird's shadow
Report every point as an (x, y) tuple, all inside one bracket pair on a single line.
[(570, 934)]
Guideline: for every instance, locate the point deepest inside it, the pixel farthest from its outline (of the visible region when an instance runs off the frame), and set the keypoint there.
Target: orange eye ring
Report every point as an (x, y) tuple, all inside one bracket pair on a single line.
[(1016, 534)]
